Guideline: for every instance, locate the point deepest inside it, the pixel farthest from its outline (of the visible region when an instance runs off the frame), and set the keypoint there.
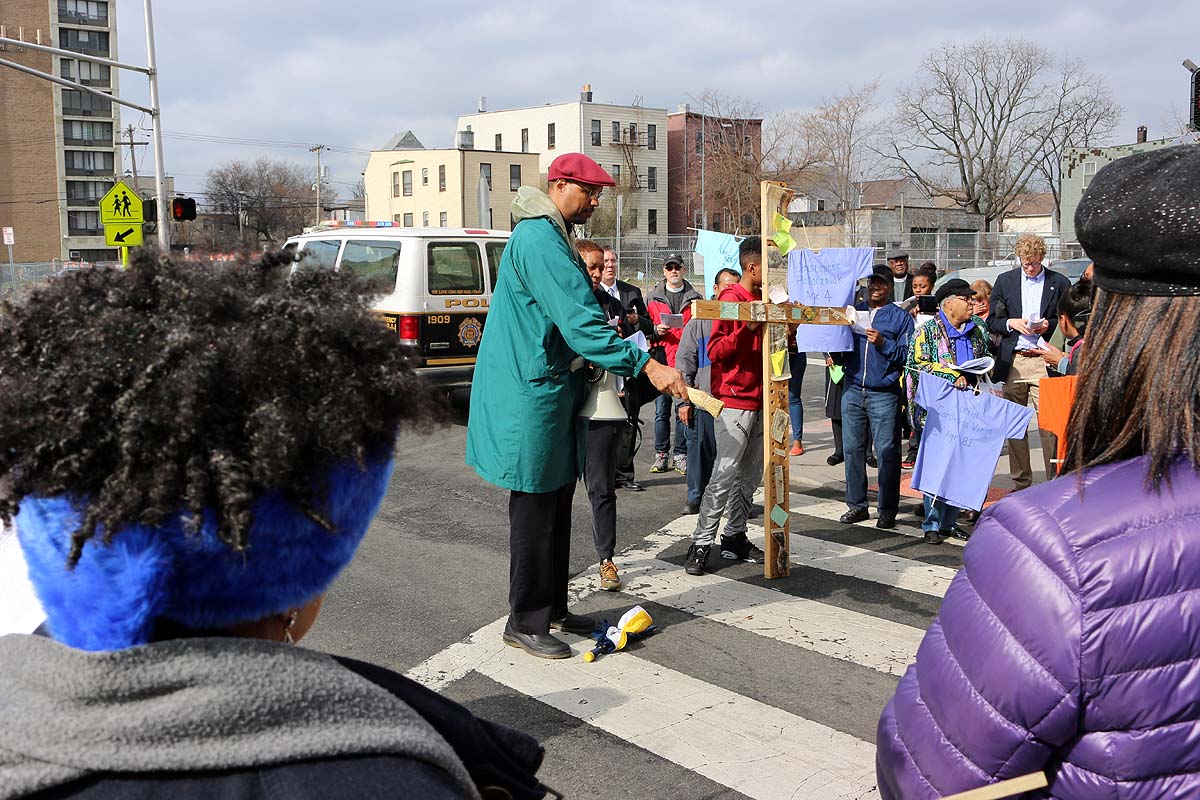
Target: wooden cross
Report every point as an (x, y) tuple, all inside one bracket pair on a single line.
[(776, 421)]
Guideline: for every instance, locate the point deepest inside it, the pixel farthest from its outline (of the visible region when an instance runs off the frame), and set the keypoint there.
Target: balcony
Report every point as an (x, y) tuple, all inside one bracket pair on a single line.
[(75, 231), (83, 202), (90, 173), (103, 142)]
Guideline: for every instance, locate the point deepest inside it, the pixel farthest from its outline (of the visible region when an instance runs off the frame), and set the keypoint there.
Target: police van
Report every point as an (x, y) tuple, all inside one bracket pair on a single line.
[(439, 283)]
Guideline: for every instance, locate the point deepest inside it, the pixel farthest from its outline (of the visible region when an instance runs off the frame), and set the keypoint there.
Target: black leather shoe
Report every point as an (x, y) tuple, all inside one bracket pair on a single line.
[(886, 521), (691, 508), (834, 460), (933, 537), (542, 645), (872, 462), (854, 515), (957, 533), (631, 486), (574, 623)]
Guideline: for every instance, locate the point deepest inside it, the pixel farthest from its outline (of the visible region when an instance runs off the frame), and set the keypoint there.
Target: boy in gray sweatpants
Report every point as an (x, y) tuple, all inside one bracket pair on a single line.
[(735, 350)]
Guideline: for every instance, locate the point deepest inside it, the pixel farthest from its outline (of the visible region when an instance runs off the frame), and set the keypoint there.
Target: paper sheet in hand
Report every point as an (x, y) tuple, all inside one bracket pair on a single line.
[(826, 278), (778, 295), (672, 320), (639, 339), (20, 611), (977, 366), (861, 320)]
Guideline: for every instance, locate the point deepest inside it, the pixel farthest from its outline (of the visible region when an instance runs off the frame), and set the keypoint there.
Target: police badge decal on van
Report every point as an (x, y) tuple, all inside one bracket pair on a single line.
[(470, 331)]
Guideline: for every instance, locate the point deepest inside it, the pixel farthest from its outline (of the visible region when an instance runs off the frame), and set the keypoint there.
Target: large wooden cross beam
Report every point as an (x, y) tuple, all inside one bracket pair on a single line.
[(776, 421)]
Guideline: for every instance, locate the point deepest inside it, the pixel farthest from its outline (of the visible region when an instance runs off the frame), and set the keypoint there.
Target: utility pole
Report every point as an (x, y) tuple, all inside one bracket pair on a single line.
[(133, 158), (317, 149)]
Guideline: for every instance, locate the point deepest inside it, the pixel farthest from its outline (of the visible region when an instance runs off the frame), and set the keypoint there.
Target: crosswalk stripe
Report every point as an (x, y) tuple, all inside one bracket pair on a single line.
[(833, 509), (840, 633), (703, 727)]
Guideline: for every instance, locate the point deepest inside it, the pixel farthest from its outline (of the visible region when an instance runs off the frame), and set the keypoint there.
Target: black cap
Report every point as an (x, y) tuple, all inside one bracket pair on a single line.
[(898, 256), (882, 272), (1138, 222), (954, 286), (673, 258)]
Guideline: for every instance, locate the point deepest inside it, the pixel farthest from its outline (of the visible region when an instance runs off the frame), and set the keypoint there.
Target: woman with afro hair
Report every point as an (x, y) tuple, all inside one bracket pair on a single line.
[(190, 455)]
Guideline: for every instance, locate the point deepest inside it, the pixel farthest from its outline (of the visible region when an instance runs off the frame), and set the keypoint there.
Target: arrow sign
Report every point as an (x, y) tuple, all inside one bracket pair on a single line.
[(120, 237), (123, 235)]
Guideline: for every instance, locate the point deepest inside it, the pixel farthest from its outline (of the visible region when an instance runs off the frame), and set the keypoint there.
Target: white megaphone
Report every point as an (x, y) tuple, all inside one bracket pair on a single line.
[(603, 401)]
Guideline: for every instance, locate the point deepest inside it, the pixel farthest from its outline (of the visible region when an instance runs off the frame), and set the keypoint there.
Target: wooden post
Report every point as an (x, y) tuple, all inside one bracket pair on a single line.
[(776, 423)]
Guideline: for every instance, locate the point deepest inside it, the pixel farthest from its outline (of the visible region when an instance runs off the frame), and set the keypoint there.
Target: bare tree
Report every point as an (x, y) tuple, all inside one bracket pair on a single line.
[(359, 190), (741, 149), (980, 119), (274, 198)]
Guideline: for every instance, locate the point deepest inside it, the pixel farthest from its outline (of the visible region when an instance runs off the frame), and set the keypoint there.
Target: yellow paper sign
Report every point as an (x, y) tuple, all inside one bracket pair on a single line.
[(783, 236), (778, 359)]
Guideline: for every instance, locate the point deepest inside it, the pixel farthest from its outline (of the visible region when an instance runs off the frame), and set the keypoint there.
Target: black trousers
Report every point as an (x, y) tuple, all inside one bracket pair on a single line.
[(539, 543), (633, 408), (600, 478)]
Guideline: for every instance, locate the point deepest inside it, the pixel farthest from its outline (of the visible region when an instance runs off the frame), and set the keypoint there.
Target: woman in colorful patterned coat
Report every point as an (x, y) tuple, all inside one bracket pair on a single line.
[(1070, 641)]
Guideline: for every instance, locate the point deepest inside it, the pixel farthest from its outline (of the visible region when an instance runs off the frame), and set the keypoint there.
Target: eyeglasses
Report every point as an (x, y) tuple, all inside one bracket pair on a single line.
[(592, 193), (673, 267)]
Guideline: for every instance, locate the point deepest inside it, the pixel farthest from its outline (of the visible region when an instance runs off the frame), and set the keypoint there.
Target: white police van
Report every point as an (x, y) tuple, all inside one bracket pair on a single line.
[(440, 282)]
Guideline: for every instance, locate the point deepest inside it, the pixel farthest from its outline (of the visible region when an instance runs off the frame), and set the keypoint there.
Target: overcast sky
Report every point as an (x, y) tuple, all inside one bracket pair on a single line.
[(352, 74)]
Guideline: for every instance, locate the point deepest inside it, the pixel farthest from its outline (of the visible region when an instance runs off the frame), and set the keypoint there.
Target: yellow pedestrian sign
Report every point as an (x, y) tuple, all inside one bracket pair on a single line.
[(121, 205), (128, 234)]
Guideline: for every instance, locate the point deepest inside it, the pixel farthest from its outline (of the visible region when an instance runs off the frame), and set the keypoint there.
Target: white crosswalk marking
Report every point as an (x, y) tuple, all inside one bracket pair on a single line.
[(833, 509), (703, 727)]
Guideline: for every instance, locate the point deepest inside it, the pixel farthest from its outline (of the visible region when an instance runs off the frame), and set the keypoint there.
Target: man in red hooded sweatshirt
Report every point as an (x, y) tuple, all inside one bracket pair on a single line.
[(735, 349)]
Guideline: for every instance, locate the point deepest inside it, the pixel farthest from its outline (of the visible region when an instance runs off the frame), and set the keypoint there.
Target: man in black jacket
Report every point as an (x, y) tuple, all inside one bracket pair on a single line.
[(1024, 310), (630, 298), (898, 264)]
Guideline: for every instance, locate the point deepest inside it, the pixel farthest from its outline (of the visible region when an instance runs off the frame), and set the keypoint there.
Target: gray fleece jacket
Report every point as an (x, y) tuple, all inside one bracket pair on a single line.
[(192, 704)]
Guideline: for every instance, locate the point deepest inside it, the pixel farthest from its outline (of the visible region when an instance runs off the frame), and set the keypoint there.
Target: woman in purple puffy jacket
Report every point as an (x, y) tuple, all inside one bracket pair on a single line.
[(1070, 641)]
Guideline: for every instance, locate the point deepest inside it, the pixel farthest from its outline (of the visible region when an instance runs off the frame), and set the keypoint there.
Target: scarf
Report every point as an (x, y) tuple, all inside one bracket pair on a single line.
[(960, 340)]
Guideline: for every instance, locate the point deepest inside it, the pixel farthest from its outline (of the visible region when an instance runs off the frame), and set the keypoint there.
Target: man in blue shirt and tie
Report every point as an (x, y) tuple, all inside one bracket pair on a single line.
[(1024, 310)]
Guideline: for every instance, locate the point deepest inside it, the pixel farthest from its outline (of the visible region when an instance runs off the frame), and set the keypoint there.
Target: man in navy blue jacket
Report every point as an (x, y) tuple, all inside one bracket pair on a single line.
[(873, 394)]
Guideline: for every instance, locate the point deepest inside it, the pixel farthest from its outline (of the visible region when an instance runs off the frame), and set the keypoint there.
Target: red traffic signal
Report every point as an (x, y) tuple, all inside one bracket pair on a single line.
[(183, 209)]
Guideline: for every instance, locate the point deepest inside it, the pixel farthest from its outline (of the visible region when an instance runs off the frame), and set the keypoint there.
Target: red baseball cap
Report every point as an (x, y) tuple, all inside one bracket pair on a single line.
[(579, 168)]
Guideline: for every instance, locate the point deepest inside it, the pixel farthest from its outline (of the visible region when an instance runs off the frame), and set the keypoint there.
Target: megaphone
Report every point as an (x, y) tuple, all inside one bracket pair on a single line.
[(603, 401)]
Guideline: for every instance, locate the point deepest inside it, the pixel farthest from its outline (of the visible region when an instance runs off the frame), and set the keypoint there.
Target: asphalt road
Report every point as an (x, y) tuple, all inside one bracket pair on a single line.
[(433, 570)]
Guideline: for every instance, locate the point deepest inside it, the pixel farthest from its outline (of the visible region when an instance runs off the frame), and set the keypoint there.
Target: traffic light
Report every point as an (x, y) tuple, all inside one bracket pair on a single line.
[(183, 209), (150, 210), (1195, 115)]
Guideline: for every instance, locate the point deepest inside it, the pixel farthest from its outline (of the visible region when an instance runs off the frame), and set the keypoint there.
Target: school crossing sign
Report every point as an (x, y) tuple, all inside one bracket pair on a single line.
[(122, 216)]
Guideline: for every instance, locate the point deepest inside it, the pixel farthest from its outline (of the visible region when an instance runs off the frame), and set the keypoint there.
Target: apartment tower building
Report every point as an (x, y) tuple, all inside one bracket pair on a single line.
[(58, 147)]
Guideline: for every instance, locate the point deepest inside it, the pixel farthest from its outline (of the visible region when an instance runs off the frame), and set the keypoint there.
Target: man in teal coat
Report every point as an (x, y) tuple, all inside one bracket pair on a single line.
[(524, 434)]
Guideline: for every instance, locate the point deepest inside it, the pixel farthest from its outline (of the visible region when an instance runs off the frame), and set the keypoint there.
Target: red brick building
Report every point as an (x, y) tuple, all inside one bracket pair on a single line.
[(696, 178)]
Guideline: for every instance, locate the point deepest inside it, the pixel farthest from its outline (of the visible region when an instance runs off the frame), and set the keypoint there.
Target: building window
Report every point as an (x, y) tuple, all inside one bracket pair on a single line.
[(85, 104), (86, 72), (443, 219), (485, 172), (441, 177), (91, 42), (820, 204), (396, 184), (716, 222), (85, 193), (652, 221), (596, 133), (84, 223), (616, 174), (88, 162), (424, 176), (747, 221), (697, 220), (396, 218), (524, 140), (616, 131), (424, 219), (514, 177), (633, 215), (651, 137), (1089, 172), (499, 142), (652, 179), (699, 141), (84, 11), (87, 133), (633, 134), (550, 136), (408, 218), (407, 179)]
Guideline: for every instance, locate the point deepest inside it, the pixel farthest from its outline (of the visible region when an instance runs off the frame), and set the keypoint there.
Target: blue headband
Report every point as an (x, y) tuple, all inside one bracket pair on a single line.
[(116, 593)]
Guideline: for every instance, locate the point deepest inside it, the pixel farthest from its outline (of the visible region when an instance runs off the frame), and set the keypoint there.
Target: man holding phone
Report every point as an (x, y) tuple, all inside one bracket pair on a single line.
[(1023, 314)]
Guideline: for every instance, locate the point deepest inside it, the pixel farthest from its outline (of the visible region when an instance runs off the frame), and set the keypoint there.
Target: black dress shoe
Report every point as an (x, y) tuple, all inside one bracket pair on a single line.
[(957, 533), (872, 462), (690, 509), (574, 623), (854, 515), (886, 521), (542, 645), (933, 537), (834, 460), (631, 486)]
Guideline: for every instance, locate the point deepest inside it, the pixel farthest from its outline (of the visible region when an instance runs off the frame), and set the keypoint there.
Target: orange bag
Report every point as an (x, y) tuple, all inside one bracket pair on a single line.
[(1054, 409)]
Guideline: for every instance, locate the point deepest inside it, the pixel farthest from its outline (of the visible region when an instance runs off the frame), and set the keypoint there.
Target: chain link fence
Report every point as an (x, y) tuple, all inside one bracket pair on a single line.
[(16, 280)]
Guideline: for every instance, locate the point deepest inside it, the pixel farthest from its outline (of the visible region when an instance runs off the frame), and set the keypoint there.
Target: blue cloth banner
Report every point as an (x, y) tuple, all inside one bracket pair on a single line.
[(963, 435), (826, 278), (719, 251)]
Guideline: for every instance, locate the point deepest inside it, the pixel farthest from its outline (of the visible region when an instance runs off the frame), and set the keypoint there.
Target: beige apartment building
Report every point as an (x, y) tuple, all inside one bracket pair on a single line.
[(423, 188), (58, 146), (629, 141)]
